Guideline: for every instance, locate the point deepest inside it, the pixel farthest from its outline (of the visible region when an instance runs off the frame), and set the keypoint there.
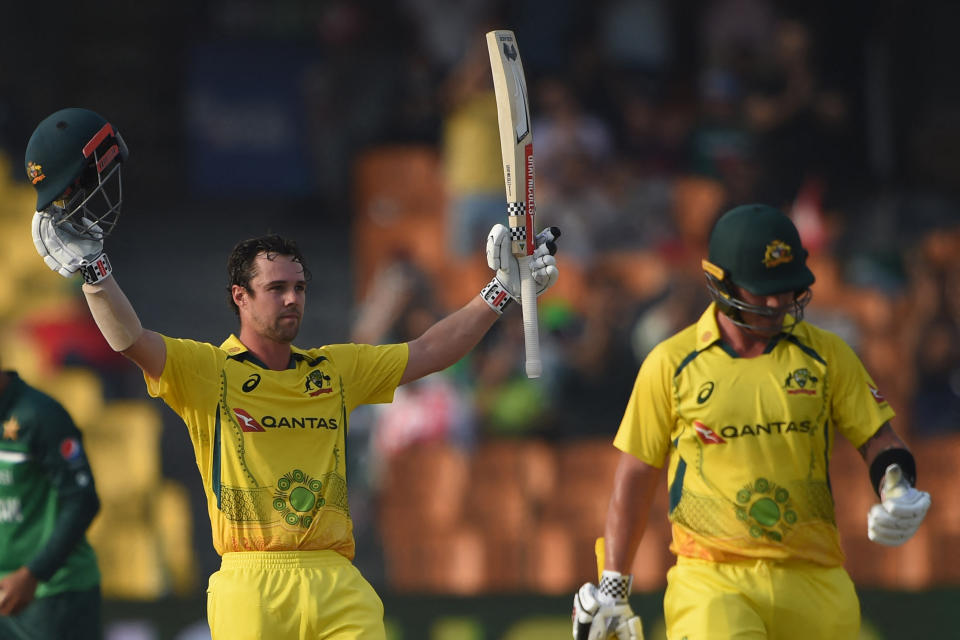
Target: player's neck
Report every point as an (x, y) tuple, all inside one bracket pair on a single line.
[(745, 343), (276, 355)]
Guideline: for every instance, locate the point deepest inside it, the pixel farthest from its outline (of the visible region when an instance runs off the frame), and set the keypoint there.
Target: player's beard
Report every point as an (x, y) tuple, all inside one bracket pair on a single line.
[(284, 329), (764, 327)]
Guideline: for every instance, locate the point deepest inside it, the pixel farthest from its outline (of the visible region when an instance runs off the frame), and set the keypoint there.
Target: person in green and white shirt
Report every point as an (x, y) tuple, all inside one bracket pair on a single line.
[(49, 579)]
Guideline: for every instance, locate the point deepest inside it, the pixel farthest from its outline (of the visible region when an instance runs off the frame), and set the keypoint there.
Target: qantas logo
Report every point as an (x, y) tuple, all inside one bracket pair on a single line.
[(780, 428), (876, 394), (251, 424), (247, 421), (706, 434)]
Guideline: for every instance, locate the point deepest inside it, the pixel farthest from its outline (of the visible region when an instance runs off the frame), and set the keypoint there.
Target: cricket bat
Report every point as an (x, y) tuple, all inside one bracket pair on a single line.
[(516, 147)]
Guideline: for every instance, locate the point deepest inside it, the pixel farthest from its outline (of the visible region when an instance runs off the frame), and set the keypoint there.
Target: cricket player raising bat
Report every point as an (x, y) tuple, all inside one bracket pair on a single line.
[(743, 408), (267, 420)]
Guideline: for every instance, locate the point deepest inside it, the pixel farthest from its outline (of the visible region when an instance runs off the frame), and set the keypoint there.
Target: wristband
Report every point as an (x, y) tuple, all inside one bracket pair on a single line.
[(902, 457), (615, 585), (496, 296), (94, 272)]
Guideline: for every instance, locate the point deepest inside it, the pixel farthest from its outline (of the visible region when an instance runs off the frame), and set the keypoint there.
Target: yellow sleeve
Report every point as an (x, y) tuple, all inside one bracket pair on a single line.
[(650, 415), (858, 408), (370, 373), (190, 372)]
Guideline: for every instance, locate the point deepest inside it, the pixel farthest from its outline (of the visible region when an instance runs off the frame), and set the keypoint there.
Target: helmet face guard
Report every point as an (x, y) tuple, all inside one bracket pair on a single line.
[(74, 160), (91, 205), (733, 307)]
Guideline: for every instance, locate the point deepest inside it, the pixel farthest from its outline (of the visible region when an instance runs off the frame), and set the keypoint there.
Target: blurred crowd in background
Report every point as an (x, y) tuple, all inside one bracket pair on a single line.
[(374, 125)]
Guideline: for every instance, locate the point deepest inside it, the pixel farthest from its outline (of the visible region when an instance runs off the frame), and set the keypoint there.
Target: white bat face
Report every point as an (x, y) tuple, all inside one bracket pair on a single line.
[(521, 127)]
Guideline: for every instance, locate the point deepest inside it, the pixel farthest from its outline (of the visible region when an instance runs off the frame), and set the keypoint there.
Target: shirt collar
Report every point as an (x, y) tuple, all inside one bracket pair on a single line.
[(233, 346), (236, 349), (708, 330)]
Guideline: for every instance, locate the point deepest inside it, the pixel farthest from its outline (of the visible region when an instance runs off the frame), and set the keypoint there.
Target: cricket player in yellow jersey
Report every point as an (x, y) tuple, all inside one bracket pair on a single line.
[(743, 407), (267, 420)]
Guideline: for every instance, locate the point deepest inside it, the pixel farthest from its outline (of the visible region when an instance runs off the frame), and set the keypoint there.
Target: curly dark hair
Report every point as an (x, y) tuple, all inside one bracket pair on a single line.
[(240, 264)]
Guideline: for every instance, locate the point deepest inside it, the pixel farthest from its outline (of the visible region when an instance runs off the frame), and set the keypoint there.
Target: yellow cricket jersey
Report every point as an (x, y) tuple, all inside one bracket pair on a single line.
[(270, 445), (749, 439)]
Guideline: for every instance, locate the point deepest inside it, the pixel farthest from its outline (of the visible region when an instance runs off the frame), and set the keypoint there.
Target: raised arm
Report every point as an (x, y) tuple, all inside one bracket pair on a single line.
[(74, 160), (448, 340), (454, 336), (69, 249), (121, 327)]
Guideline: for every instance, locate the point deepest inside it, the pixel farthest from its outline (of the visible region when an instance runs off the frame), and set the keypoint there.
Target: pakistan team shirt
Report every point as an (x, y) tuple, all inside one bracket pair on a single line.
[(270, 445), (47, 495), (749, 439)]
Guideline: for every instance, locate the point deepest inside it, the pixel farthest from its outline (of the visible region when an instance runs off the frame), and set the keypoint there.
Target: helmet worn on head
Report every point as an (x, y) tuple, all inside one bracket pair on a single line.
[(757, 247), (73, 159)]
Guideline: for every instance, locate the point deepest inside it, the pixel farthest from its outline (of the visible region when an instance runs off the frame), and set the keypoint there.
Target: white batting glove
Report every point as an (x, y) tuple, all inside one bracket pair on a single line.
[(603, 612), (66, 251), (505, 286), (900, 512)]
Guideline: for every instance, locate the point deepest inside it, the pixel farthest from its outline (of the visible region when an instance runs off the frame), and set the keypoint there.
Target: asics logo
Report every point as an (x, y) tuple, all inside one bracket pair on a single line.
[(251, 383)]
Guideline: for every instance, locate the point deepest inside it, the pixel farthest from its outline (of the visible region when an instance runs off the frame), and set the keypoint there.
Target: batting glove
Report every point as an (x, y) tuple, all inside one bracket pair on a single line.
[(603, 612), (505, 286), (900, 512), (65, 250)]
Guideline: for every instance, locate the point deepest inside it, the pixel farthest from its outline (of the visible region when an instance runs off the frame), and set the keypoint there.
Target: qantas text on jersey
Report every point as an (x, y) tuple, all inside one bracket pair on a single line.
[(250, 424)]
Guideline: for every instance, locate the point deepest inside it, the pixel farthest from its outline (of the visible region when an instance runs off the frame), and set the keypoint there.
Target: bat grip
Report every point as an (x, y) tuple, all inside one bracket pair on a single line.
[(531, 327)]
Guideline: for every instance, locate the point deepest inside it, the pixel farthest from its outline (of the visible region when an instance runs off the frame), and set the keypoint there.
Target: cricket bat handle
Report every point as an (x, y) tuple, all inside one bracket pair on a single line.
[(531, 327)]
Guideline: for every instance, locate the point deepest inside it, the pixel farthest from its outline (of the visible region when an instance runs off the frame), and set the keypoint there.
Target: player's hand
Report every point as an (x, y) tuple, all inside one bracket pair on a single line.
[(604, 612), (900, 512), (65, 250), (16, 591), (505, 285)]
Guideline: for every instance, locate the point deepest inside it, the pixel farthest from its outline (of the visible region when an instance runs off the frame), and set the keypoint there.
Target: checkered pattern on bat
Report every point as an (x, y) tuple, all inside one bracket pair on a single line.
[(516, 208), (519, 234)]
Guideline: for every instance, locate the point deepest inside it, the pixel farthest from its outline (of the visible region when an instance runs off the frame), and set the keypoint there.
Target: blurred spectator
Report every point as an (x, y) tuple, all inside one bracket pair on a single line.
[(401, 305), (507, 403), (596, 366), (736, 30), (636, 35), (932, 332), (470, 149), (800, 122), (577, 199), (936, 401), (720, 145), (574, 150), (446, 28), (650, 134), (562, 128)]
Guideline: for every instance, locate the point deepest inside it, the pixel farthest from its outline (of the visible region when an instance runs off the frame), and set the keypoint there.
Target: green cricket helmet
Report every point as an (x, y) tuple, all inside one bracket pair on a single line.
[(73, 160), (757, 247)]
